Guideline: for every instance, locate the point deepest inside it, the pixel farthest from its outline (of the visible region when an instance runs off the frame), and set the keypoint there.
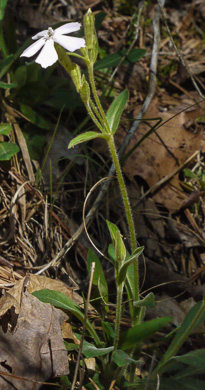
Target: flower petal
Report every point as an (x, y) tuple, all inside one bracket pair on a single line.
[(48, 55), (68, 28), (34, 48), (69, 43), (40, 34)]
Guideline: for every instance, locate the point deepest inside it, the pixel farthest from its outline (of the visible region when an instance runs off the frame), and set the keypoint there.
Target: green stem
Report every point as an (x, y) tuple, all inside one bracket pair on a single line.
[(130, 221), (118, 316), (95, 110), (97, 100), (95, 120), (111, 143)]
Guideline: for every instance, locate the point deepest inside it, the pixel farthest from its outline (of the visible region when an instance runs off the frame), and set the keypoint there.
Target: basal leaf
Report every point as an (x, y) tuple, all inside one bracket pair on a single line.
[(5, 129), (89, 350), (60, 300), (193, 319), (7, 150), (140, 332), (121, 358)]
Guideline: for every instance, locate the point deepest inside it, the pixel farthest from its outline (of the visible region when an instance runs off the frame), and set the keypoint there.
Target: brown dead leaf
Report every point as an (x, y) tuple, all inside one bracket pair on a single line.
[(39, 282), (162, 152), (35, 351), (12, 298)]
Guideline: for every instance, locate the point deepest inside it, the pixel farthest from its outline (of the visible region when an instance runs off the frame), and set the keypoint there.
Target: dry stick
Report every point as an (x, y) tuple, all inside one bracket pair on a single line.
[(152, 79), (181, 58), (140, 8), (84, 327), (78, 232), (167, 178), (151, 92)]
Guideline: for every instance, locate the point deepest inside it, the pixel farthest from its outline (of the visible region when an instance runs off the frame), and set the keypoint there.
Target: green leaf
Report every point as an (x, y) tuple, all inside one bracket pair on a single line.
[(194, 358), (85, 137), (71, 346), (60, 300), (35, 118), (121, 358), (123, 269), (99, 17), (148, 301), (192, 320), (7, 150), (5, 63), (99, 277), (120, 250), (140, 332), (2, 8), (193, 363), (115, 110), (113, 59), (189, 173), (89, 350), (5, 128), (7, 86)]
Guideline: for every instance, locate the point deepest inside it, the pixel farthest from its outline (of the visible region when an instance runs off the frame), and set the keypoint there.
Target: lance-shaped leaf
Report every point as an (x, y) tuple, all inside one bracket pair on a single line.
[(125, 265), (115, 110), (120, 250), (131, 337), (192, 320), (60, 300), (85, 137)]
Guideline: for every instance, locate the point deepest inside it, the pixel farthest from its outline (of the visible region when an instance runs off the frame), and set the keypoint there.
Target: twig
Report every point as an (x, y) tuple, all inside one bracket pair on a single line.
[(140, 8), (167, 178), (181, 58), (84, 327), (152, 79)]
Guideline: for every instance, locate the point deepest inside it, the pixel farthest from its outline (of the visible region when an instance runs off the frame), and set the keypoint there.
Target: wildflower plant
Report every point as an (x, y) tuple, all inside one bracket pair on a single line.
[(53, 45)]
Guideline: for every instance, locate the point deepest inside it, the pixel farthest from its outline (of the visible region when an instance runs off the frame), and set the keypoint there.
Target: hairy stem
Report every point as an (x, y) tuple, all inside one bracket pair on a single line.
[(128, 211), (118, 316), (97, 100)]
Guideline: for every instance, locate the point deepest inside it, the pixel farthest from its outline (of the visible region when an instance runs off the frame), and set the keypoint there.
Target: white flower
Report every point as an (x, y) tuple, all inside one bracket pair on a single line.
[(46, 39)]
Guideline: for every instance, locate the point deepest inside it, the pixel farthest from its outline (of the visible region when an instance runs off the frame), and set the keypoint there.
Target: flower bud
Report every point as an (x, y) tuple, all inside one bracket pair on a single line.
[(90, 35), (76, 76), (85, 91)]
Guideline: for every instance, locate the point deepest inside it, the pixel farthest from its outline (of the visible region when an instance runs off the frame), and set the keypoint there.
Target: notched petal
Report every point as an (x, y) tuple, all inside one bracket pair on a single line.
[(34, 48), (69, 43), (68, 28), (48, 55)]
